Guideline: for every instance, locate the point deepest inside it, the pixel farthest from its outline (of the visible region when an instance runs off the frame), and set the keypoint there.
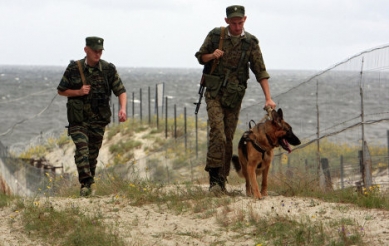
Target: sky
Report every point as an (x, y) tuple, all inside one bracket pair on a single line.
[(293, 34)]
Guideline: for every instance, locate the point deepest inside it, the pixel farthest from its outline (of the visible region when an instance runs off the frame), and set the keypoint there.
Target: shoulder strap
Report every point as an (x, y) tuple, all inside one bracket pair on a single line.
[(105, 64), (81, 72), (106, 69), (246, 41), (215, 62), (245, 47)]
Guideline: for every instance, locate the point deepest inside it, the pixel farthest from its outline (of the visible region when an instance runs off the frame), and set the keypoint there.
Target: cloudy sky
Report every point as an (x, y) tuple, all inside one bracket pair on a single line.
[(293, 34)]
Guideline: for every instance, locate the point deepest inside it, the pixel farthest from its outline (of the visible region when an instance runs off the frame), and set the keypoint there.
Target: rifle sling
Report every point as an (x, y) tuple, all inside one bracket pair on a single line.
[(216, 61), (81, 72)]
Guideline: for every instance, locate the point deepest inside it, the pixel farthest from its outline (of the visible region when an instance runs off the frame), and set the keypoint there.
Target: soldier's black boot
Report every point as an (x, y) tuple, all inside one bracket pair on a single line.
[(216, 181), (213, 177), (87, 187)]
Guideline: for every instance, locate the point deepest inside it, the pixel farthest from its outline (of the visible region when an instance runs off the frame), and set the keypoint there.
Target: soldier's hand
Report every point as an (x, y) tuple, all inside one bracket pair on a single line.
[(218, 53), (122, 115), (270, 104), (84, 90)]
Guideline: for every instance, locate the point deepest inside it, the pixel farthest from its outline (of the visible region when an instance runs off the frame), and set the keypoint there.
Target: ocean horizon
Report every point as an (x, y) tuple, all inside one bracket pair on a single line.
[(31, 108)]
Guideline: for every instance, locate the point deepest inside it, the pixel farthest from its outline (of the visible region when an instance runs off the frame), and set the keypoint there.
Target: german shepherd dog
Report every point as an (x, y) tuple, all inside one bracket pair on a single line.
[(255, 150)]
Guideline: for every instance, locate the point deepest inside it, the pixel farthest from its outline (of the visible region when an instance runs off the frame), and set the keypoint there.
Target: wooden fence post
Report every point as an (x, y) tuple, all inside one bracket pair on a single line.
[(341, 173), (327, 175)]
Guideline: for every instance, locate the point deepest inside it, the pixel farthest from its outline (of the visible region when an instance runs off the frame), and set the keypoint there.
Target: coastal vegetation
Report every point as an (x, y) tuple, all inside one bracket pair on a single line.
[(57, 216)]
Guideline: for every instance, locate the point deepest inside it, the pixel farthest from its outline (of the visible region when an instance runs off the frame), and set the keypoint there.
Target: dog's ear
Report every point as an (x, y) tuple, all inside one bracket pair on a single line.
[(277, 117), (280, 114), (274, 114)]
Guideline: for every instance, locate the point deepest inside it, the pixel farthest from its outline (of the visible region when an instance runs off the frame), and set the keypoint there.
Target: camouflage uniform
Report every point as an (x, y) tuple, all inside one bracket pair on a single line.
[(223, 120), (88, 134)]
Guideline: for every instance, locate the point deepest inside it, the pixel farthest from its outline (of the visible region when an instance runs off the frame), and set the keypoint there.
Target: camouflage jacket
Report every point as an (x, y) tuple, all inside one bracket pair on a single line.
[(231, 60), (103, 79)]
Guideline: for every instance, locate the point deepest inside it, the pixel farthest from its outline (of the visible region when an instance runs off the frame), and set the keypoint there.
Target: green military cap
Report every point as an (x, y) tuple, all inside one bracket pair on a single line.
[(95, 43), (235, 11)]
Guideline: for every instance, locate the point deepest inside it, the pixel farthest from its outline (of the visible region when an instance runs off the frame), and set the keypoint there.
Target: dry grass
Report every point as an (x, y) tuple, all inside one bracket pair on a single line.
[(144, 211)]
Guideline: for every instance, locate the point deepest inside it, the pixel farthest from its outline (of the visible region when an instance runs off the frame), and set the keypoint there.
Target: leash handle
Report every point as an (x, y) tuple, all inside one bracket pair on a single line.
[(268, 109)]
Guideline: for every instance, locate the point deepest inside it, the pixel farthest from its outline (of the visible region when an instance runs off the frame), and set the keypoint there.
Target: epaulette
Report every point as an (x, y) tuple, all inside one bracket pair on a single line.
[(107, 65), (250, 37), (247, 40), (112, 65)]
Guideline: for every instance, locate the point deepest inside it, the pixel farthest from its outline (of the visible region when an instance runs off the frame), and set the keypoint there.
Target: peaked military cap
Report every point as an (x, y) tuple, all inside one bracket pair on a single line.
[(235, 11), (95, 43)]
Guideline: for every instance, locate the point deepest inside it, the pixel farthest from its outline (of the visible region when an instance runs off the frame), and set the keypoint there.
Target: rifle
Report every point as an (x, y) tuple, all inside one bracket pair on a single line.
[(214, 64), (201, 93)]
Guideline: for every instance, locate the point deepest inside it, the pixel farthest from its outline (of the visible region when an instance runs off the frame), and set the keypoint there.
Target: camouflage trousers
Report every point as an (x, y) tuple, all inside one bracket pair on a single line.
[(88, 138), (223, 122)]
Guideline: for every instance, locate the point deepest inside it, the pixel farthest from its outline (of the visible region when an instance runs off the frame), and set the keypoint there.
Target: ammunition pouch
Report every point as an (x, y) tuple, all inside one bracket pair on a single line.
[(213, 84), (100, 106), (233, 95), (105, 113), (75, 111)]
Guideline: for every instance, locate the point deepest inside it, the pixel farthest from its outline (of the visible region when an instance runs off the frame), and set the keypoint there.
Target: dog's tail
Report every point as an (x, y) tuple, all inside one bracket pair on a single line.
[(236, 164)]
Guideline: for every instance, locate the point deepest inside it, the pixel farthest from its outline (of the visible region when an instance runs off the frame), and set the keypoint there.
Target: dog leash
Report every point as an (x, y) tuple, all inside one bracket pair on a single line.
[(267, 116)]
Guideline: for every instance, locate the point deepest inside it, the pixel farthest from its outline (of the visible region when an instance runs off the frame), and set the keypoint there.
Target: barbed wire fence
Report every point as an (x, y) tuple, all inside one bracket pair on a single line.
[(345, 105)]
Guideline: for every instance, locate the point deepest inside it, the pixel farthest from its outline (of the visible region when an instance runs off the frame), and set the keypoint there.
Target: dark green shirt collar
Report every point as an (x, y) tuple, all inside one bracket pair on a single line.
[(99, 66)]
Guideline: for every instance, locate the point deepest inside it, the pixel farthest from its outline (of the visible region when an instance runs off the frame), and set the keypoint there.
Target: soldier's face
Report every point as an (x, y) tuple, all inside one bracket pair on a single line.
[(236, 25), (92, 56)]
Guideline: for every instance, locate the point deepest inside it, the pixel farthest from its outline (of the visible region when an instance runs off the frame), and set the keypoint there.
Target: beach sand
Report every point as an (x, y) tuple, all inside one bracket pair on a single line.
[(153, 224)]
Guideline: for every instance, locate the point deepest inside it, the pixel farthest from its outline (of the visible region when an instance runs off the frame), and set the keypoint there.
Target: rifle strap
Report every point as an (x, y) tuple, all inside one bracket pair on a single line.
[(216, 61), (81, 72)]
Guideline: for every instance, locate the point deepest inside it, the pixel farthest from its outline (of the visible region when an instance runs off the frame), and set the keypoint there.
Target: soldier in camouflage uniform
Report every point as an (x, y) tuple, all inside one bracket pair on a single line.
[(88, 106), (226, 87)]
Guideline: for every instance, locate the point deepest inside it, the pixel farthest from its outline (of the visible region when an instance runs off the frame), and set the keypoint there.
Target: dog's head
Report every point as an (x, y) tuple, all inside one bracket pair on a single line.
[(283, 131)]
